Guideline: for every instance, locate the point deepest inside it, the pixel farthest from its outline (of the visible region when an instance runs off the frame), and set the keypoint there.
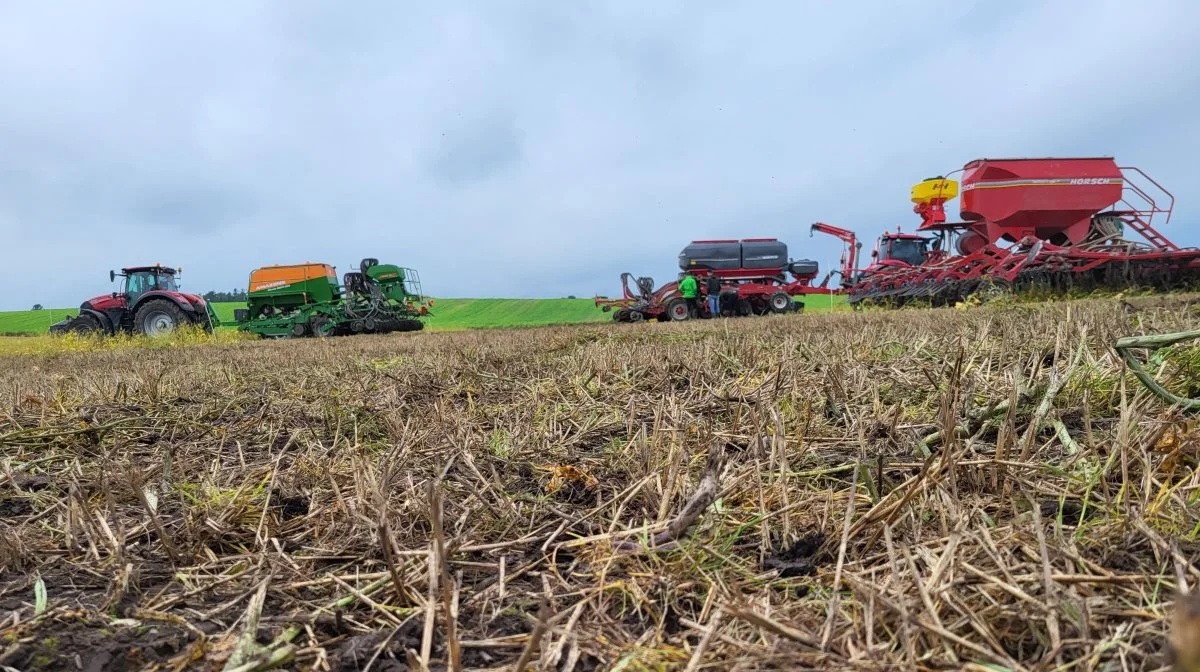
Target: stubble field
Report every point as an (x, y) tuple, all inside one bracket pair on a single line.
[(770, 493)]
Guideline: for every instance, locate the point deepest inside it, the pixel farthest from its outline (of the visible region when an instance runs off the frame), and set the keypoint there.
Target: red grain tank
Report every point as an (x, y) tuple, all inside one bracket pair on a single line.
[(1047, 199)]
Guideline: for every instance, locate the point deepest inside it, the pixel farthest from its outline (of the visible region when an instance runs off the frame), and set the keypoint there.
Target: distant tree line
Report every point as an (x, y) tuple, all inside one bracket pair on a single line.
[(238, 295)]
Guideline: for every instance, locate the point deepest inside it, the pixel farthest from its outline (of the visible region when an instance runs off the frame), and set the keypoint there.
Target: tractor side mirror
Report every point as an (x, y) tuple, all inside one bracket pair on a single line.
[(112, 275)]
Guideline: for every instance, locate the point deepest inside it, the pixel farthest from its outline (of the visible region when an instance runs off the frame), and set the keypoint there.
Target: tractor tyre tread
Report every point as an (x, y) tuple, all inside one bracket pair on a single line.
[(164, 305)]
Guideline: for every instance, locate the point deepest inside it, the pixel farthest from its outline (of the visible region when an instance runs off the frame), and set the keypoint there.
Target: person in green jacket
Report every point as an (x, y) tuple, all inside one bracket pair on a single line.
[(688, 288)]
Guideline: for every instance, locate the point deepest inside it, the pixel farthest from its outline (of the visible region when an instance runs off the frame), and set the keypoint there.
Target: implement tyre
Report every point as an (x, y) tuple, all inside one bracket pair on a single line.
[(780, 302), (158, 317), (677, 310), (321, 326), (409, 325)]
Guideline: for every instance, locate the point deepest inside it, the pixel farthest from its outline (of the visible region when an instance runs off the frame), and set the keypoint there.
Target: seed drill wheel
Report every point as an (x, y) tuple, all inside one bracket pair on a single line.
[(677, 310), (409, 325), (636, 316), (158, 317), (780, 302), (321, 326)]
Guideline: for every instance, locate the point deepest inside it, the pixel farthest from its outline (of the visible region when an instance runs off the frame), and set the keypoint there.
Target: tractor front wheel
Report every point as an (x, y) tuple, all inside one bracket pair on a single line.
[(84, 324), (158, 317)]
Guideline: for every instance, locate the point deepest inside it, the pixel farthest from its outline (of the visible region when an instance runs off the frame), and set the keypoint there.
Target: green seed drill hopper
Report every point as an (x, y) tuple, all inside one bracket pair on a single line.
[(306, 300)]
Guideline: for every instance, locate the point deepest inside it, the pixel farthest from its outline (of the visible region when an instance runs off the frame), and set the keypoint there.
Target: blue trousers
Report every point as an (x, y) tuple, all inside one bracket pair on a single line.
[(714, 305)]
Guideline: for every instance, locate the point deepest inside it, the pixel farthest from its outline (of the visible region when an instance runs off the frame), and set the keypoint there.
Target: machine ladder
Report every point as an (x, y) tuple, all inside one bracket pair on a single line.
[(1142, 206)]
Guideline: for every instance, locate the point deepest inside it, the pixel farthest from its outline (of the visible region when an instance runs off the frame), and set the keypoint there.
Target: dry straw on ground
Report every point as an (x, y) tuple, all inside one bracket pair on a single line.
[(971, 489)]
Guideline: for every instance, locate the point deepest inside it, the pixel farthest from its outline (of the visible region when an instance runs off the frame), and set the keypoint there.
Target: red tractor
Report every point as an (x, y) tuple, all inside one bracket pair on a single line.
[(150, 304)]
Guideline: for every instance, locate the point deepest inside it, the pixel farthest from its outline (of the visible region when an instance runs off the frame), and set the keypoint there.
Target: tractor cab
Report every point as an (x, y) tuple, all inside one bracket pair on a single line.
[(142, 279), (901, 249)]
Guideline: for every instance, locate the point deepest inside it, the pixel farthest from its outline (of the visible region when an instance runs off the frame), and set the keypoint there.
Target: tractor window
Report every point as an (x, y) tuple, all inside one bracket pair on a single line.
[(909, 250), (141, 282), (135, 283)]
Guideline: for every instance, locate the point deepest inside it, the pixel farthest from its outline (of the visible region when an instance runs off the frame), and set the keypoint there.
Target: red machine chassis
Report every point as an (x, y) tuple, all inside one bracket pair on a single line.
[(753, 292)]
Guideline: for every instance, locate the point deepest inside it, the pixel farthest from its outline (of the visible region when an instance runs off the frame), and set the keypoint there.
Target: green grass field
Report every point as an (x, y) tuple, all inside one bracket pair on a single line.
[(448, 314)]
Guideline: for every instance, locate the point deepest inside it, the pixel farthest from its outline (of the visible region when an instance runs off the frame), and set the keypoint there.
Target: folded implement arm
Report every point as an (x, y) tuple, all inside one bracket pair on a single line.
[(849, 258)]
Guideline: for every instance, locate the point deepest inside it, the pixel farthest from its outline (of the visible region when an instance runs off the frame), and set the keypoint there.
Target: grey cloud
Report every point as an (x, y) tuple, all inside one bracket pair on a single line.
[(557, 144), (195, 208), (475, 148)]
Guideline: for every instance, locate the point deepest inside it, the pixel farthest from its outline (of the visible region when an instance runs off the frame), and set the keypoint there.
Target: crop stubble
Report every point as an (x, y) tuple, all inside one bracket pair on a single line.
[(770, 493)]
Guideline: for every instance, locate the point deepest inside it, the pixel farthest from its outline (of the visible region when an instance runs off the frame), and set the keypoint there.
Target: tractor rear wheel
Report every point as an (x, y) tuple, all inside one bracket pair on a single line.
[(158, 317), (677, 310), (780, 302)]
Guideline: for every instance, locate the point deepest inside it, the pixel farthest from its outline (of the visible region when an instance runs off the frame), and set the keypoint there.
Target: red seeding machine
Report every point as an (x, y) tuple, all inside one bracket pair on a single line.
[(1029, 224), (1051, 225), (756, 277)]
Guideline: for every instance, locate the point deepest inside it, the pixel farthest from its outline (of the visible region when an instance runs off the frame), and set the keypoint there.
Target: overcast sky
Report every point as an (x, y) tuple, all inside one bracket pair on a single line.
[(526, 149)]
